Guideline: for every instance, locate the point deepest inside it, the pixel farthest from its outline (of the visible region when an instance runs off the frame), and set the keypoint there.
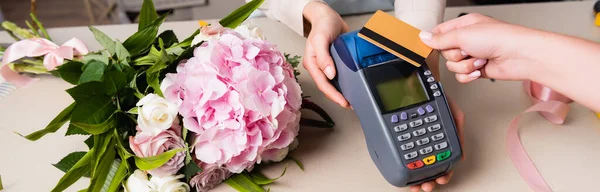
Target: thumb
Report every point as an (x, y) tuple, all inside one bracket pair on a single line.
[(441, 41)]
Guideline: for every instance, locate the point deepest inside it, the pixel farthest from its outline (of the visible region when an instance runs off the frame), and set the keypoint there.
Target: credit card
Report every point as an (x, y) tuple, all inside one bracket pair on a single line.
[(395, 36)]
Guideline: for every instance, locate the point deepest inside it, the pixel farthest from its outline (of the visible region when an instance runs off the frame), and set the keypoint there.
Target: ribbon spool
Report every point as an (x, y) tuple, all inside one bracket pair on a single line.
[(554, 107)]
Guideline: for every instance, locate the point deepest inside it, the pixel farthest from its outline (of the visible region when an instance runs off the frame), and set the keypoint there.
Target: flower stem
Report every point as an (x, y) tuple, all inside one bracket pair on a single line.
[(32, 28), (24, 68), (36, 63), (40, 26)]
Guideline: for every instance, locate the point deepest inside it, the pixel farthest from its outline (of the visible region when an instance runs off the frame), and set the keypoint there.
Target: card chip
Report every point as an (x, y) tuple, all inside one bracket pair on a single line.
[(396, 37)]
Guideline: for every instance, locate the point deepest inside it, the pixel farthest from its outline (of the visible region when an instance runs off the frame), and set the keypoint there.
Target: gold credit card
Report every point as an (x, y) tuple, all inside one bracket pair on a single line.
[(396, 37)]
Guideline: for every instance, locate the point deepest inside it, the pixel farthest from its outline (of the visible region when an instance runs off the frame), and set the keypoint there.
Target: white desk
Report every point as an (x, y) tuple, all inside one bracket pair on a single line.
[(337, 160)]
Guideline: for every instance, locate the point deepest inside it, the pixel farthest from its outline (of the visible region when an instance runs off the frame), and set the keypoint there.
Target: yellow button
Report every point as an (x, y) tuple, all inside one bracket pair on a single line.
[(429, 160), (597, 21)]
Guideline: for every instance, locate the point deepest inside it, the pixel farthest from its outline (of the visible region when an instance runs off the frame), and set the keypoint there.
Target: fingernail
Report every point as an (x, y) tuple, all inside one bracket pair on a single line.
[(475, 74), (425, 35), (463, 53), (329, 72), (479, 62)]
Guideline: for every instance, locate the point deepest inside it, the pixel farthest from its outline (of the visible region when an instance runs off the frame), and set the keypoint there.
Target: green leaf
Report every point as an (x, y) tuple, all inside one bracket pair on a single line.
[(149, 163), (243, 182), (147, 14), (133, 110), (123, 152), (93, 114), (75, 173), (89, 142), (121, 52), (82, 92), (297, 162), (153, 73), (67, 162), (94, 71), (102, 57), (104, 40), (1, 186), (99, 176), (261, 179), (169, 38), (70, 71), (74, 130), (98, 128), (190, 169), (329, 123), (117, 173), (102, 143), (185, 43), (238, 16), (115, 80), (142, 39), (54, 125)]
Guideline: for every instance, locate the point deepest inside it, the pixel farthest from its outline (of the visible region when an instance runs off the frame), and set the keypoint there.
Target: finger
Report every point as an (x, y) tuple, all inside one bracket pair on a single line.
[(466, 66), (442, 41), (428, 186), (469, 19), (322, 82), (320, 44), (454, 55), (466, 78), (444, 179), (415, 188)]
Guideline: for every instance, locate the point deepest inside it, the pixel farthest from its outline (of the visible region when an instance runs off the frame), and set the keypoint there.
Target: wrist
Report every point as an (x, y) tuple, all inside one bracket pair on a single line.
[(314, 10)]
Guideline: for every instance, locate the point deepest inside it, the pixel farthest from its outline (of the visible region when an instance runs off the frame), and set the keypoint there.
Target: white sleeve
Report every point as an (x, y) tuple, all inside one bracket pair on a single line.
[(423, 14), (289, 12)]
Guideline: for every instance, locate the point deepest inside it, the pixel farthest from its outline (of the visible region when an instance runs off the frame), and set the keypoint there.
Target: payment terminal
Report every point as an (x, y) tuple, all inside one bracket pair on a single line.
[(410, 132)]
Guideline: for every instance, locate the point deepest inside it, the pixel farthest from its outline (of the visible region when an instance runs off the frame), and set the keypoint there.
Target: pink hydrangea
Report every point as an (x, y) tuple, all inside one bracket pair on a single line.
[(239, 96), (146, 145)]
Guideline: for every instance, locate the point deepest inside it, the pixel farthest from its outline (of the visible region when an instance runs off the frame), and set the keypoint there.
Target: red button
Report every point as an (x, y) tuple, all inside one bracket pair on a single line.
[(415, 164)]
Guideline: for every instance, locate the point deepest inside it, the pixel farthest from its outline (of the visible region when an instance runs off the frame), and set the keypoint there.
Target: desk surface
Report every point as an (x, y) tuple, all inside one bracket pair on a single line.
[(337, 160)]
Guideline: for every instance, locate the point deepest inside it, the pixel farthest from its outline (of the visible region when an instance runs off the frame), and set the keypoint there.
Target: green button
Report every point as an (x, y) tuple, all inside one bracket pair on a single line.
[(443, 155)]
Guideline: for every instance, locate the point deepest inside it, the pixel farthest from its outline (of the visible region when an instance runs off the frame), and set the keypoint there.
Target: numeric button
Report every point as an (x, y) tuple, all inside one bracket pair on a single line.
[(423, 141), (431, 119), (440, 146), (426, 150), (407, 146), (437, 137), (419, 132), (400, 128), (410, 155), (404, 137), (434, 127), (416, 123)]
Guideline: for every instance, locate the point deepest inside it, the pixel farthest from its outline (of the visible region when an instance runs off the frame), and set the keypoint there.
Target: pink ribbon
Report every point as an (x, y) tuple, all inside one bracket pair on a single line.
[(54, 56), (554, 107)]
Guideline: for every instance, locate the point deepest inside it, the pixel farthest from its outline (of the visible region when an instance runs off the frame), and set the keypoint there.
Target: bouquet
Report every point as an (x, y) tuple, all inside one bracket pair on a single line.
[(169, 115)]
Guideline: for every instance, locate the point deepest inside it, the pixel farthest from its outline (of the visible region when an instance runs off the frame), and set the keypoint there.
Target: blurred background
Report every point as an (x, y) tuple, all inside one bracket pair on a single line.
[(64, 13)]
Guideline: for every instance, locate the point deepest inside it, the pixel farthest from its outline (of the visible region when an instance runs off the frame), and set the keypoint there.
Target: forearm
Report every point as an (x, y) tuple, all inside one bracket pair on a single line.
[(288, 12), (568, 65)]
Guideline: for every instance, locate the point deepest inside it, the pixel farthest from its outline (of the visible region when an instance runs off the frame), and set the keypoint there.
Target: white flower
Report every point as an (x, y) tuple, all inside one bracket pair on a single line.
[(155, 114), (170, 184), (204, 37), (138, 182), (250, 32)]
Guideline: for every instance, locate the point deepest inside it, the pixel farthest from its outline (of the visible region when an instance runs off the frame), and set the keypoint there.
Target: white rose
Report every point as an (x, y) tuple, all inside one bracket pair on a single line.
[(170, 184), (138, 182), (250, 32), (155, 114)]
